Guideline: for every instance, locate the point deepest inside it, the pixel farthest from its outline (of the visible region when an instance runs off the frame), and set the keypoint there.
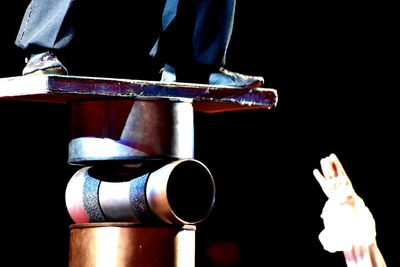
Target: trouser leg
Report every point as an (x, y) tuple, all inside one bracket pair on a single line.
[(196, 33), (46, 25)]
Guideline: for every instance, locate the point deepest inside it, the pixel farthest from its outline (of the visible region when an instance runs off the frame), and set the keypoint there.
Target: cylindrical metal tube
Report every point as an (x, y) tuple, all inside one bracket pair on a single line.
[(180, 192), (127, 130), (131, 245)]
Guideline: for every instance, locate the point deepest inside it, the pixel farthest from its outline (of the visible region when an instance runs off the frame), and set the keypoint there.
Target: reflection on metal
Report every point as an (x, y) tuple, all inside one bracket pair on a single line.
[(130, 245), (180, 192), (127, 130)]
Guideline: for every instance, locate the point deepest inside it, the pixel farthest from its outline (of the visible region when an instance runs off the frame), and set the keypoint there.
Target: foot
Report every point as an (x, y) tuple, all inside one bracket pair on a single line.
[(44, 63), (222, 78), (228, 78), (168, 74)]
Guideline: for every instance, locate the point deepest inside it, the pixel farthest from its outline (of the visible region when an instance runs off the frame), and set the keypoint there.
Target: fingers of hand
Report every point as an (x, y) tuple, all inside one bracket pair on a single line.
[(339, 167), (322, 181), (333, 180)]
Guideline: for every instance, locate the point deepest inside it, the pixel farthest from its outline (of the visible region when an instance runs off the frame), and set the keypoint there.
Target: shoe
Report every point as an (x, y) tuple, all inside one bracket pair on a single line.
[(44, 63), (221, 78), (168, 74), (228, 78)]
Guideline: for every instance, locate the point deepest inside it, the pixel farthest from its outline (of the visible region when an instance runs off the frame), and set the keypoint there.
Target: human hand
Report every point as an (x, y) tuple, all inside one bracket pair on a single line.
[(348, 222), (334, 181)]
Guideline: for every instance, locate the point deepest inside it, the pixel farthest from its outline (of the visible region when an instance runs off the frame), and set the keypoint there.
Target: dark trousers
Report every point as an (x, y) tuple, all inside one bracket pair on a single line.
[(195, 33)]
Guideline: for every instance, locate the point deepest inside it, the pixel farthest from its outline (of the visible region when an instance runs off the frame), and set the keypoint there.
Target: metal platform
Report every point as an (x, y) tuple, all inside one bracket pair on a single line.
[(66, 89)]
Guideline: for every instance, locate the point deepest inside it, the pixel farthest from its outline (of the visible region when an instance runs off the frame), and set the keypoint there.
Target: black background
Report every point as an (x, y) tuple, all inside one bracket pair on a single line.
[(334, 67)]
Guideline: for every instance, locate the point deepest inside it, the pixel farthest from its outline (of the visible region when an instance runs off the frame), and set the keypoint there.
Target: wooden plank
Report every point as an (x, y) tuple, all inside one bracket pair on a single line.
[(65, 89)]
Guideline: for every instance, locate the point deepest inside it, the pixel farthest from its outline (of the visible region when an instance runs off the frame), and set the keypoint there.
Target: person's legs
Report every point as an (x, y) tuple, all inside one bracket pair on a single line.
[(194, 42), (45, 27), (195, 32)]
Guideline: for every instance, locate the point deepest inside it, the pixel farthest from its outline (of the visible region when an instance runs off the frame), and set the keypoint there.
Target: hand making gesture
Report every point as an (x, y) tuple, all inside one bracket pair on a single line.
[(349, 225)]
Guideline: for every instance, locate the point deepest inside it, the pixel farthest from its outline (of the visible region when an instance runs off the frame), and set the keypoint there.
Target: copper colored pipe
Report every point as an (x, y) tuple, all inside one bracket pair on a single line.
[(131, 245)]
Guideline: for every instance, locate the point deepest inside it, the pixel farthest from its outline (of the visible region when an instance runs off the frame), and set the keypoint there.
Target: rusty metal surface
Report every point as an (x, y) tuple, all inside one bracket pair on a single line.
[(66, 89)]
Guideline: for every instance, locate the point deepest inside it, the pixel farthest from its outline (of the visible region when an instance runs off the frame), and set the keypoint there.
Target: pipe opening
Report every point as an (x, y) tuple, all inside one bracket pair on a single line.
[(191, 191)]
